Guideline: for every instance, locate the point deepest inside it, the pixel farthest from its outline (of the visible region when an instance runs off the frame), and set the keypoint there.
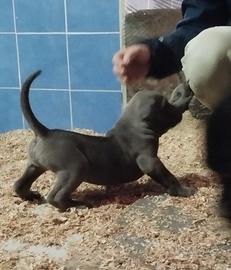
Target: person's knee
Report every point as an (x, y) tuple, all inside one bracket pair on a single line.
[(207, 66)]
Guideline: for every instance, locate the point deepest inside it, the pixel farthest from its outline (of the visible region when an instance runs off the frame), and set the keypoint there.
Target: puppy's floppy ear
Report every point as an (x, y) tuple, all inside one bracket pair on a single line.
[(164, 103), (159, 102)]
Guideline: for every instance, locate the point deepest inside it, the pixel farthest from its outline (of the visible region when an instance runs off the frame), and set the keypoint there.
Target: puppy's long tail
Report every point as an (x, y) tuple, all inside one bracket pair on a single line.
[(38, 128)]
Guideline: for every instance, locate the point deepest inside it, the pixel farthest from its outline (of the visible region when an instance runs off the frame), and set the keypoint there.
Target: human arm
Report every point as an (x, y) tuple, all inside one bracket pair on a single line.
[(160, 57), (167, 51)]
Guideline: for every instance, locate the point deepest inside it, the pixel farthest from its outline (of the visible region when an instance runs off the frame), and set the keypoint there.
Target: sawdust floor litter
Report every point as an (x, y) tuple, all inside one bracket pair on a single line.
[(136, 226)]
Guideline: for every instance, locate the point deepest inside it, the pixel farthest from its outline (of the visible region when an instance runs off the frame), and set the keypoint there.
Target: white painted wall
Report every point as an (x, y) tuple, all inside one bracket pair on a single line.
[(134, 5)]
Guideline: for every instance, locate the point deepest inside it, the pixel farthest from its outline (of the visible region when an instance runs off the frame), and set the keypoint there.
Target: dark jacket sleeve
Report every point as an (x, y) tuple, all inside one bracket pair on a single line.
[(167, 51)]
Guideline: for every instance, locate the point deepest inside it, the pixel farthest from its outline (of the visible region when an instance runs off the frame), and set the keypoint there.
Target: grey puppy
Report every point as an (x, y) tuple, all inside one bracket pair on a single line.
[(128, 151)]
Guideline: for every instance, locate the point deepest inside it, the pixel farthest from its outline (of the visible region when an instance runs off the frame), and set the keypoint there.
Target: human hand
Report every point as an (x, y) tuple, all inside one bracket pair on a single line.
[(131, 64)]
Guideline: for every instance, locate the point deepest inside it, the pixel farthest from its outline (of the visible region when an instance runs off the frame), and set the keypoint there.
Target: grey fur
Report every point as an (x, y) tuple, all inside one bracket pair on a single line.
[(128, 151)]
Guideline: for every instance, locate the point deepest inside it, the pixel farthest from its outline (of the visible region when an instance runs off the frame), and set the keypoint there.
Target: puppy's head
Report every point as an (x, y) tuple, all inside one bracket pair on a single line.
[(181, 97)]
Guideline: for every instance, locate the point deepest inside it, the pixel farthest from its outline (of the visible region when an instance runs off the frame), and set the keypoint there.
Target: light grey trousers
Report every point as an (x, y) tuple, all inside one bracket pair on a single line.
[(207, 65)]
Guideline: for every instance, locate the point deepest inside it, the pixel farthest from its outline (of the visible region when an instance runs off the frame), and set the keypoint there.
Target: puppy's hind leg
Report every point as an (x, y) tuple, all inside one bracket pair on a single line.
[(153, 167), (67, 182), (23, 184)]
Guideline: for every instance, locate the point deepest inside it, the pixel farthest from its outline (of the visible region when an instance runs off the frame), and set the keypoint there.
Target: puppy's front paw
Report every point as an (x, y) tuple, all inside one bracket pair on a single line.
[(29, 196), (66, 204), (181, 191)]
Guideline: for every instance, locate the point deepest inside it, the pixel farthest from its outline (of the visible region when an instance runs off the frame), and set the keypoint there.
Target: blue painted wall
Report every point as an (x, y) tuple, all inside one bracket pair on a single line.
[(73, 42)]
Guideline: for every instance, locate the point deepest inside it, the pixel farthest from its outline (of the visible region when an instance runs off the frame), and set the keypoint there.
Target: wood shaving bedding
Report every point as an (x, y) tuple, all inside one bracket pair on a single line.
[(136, 226)]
